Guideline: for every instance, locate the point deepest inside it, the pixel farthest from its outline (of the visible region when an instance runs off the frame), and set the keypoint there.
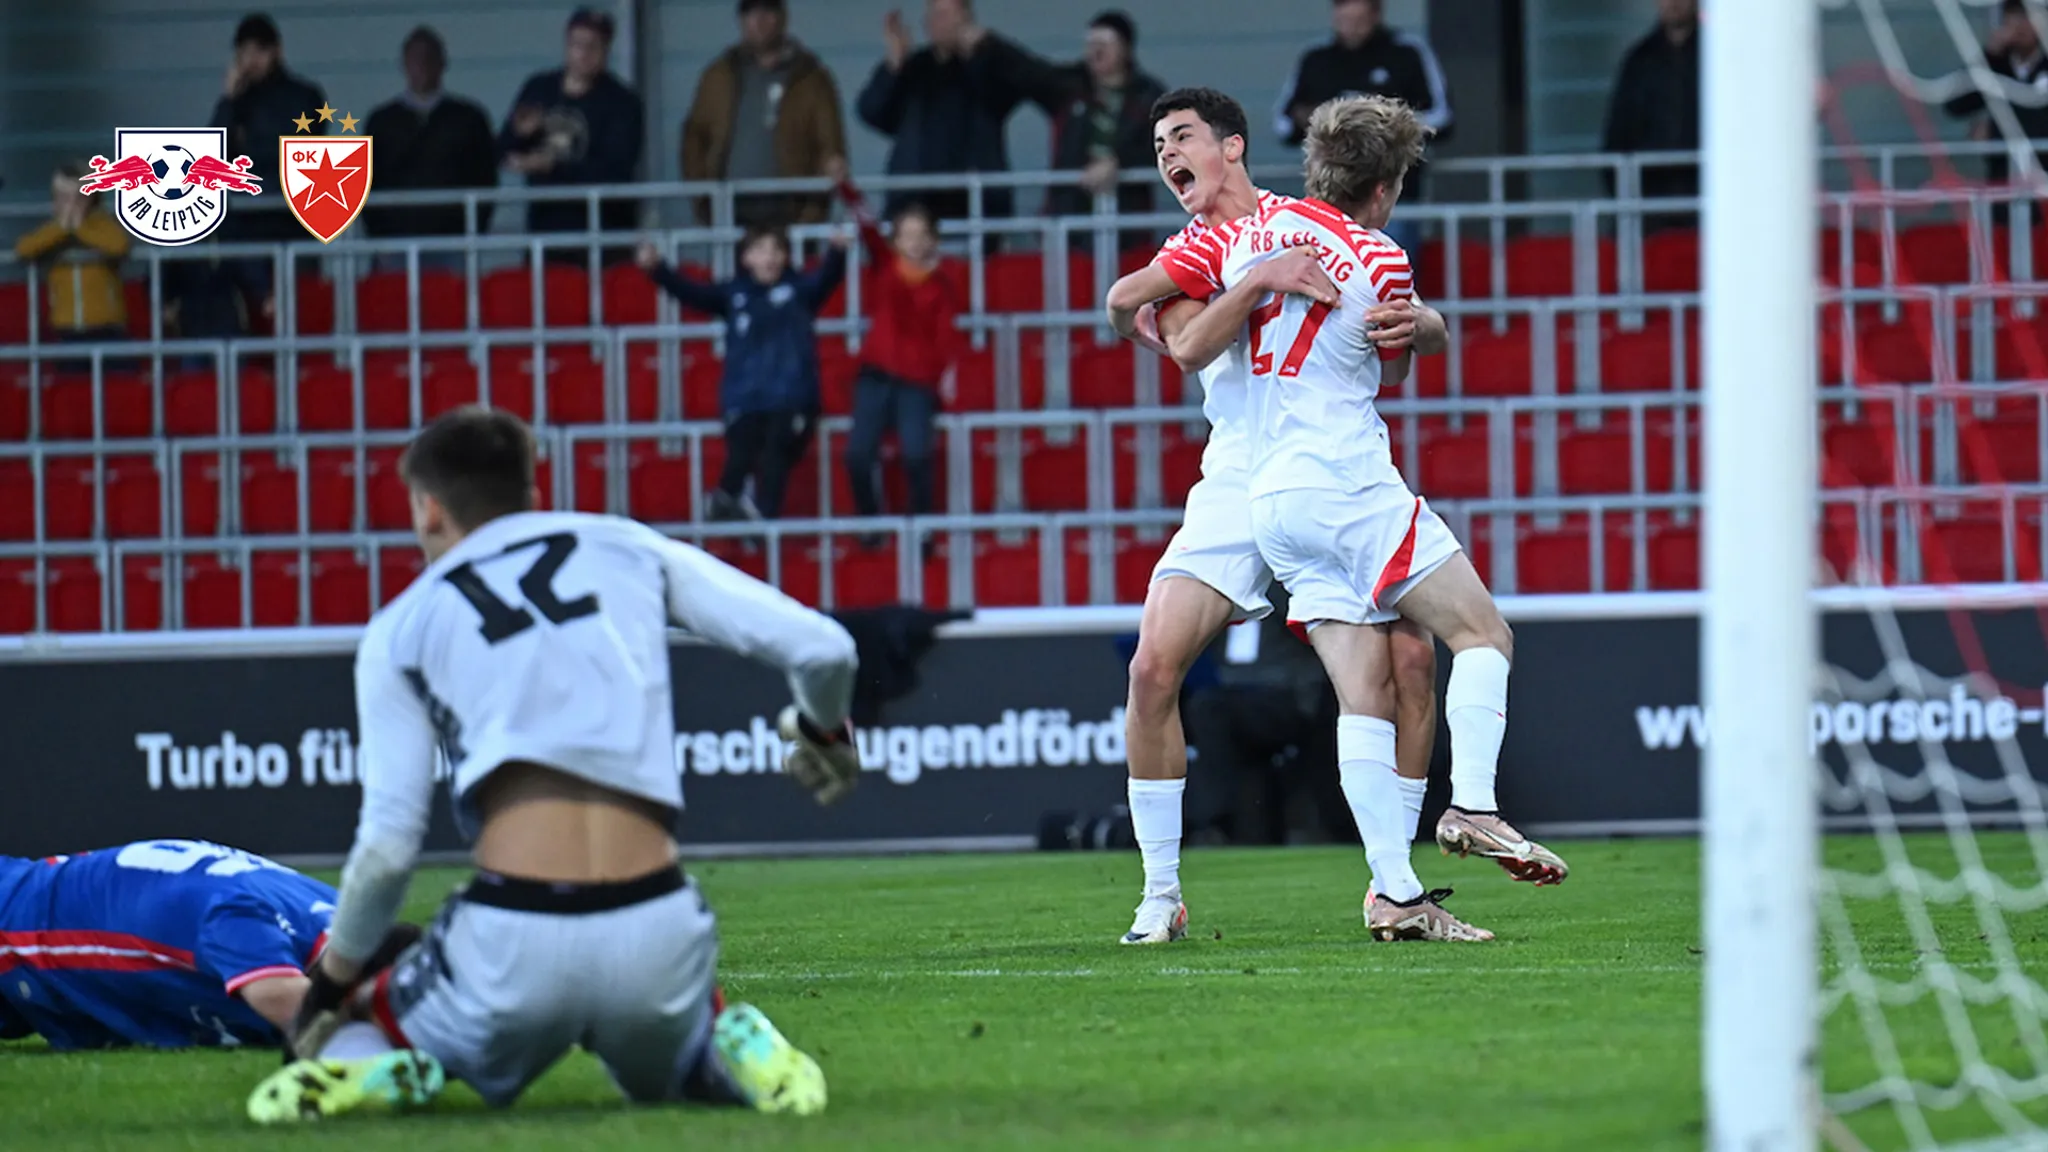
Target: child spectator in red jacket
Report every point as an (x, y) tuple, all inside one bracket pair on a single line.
[(906, 361)]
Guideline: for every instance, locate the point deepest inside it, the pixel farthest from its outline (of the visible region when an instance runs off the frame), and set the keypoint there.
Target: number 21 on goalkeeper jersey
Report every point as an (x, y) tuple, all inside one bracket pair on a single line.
[(1315, 372)]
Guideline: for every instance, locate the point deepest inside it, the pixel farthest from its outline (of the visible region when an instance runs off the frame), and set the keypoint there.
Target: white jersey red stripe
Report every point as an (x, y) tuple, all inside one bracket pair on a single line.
[(1228, 377), (1314, 372)]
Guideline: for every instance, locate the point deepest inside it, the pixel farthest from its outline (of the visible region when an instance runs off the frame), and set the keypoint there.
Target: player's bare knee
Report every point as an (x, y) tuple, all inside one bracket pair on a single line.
[(1414, 663), (1155, 682)]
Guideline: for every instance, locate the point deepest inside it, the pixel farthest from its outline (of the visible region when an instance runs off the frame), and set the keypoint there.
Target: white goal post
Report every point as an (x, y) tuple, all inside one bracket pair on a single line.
[(1759, 77)]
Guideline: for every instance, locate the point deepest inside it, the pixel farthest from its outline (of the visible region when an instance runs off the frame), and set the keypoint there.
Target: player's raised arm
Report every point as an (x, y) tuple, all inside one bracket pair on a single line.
[(721, 604)]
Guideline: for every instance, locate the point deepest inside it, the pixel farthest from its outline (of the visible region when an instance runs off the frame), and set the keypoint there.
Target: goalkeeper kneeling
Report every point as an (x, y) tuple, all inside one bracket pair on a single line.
[(533, 653)]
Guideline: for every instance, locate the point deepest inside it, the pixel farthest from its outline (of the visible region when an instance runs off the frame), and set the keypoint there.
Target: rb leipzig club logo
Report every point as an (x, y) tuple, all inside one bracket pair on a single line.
[(325, 178), (170, 184)]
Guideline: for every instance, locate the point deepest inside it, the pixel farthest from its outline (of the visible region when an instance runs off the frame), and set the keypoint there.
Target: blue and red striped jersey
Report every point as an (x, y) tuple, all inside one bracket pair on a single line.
[(149, 942)]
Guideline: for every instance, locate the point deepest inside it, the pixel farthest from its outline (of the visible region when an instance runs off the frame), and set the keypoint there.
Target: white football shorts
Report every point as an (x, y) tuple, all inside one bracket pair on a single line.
[(498, 994), (1349, 557), (1215, 546)]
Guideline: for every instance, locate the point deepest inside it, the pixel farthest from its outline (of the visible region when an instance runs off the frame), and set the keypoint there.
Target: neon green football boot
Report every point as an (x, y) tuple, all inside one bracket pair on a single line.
[(773, 1074), (310, 1089)]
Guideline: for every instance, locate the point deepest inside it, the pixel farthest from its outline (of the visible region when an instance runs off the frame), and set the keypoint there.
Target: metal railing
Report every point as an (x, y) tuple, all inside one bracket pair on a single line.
[(1607, 243), (1896, 520)]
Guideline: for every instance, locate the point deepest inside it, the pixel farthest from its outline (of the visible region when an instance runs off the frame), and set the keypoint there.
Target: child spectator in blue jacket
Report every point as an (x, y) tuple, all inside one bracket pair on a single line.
[(769, 393)]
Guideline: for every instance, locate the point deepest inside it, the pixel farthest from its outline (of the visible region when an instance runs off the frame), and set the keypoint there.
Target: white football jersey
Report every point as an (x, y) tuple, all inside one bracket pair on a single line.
[(1228, 377), (543, 637), (1314, 374)]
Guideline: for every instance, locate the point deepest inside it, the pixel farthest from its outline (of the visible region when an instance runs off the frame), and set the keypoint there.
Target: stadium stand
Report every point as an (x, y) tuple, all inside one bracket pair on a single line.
[(163, 483)]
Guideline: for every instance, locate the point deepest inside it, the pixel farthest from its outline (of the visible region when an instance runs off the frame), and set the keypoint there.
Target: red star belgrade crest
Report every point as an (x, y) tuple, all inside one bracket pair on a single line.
[(325, 179)]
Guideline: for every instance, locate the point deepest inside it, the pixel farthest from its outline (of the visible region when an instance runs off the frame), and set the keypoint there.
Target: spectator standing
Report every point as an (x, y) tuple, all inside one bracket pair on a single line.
[(1656, 104), (576, 125), (769, 393), (907, 358), (2013, 51), (944, 116), (766, 108), (1101, 108), (79, 251), (430, 139), (1368, 57), (259, 102)]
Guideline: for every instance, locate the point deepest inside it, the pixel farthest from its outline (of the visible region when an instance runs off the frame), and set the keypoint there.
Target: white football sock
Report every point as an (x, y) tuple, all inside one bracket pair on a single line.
[(356, 1040), (1155, 821), (1365, 766), (1476, 706), (1412, 792)]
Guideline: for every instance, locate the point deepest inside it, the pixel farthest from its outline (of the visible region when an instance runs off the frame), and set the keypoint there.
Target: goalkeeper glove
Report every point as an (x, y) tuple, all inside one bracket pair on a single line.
[(320, 1014), (826, 763)]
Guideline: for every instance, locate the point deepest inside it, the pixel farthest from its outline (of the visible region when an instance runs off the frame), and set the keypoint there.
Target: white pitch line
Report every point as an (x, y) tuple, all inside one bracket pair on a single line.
[(1253, 970)]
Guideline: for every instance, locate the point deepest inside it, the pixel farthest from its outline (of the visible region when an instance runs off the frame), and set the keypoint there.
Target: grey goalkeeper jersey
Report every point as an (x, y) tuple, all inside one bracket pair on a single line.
[(542, 637)]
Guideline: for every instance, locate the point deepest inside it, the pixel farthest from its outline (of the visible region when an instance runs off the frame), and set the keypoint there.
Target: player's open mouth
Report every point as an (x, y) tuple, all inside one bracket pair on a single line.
[(1182, 178)]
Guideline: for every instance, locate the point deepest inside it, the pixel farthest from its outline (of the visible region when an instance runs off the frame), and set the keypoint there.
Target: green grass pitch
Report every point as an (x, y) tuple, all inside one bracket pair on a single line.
[(982, 1002)]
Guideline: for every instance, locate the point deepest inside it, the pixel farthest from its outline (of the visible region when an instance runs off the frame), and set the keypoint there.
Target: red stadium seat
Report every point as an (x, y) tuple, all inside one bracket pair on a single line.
[(1007, 570), (382, 303), (134, 495), (73, 591), (1671, 261), (14, 312), (397, 568), (1180, 463), (270, 493), (575, 386), (14, 390), (629, 296), (1674, 553), (68, 495), (1543, 266), (1940, 254), (17, 499), (142, 594), (510, 381), (1560, 558), (1860, 453), (390, 507), (200, 494), (125, 412), (1102, 377), (340, 588), (212, 592), (1967, 545), (1999, 443), (658, 484), (507, 297), (865, 576), (331, 490), (314, 305), (1055, 475)]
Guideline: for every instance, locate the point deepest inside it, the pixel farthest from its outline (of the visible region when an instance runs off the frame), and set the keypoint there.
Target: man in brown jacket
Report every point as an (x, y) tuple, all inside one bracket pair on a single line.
[(766, 108), (80, 250)]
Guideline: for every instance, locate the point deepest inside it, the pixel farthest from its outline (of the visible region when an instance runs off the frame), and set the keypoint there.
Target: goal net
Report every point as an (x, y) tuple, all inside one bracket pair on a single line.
[(1929, 900)]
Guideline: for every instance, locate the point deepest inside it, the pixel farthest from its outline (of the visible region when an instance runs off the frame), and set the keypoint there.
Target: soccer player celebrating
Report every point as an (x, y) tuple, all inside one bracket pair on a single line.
[(533, 654), (1332, 514), (1212, 574), (161, 943)]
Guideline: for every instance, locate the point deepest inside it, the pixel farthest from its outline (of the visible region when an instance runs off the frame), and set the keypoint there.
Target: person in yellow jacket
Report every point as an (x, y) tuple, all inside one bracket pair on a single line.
[(79, 252)]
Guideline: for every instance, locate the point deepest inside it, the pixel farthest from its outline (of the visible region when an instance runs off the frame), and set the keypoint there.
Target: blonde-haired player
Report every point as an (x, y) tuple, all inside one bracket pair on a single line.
[(1212, 573), (1333, 515)]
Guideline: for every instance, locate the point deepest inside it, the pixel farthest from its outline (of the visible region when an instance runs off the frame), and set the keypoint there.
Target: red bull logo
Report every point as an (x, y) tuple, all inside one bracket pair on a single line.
[(170, 184)]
